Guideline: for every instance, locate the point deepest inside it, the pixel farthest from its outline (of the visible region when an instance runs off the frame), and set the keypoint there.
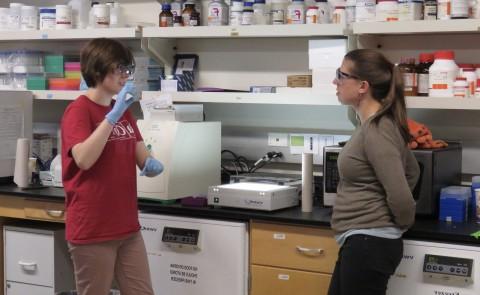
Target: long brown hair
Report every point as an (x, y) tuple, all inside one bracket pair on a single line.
[(386, 84)]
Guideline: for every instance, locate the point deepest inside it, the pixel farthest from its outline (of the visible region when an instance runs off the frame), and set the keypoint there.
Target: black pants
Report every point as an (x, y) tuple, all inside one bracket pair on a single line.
[(364, 265)]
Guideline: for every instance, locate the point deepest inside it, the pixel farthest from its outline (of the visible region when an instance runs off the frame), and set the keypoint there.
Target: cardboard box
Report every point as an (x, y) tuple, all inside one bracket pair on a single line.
[(299, 81)]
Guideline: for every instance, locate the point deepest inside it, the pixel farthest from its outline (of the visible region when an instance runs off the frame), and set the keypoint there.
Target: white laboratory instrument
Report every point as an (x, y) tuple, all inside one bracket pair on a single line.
[(253, 195), (196, 256), (15, 121), (436, 268), (189, 151)]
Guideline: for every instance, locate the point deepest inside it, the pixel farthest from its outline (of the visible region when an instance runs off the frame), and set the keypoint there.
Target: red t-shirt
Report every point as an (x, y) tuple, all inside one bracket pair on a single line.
[(101, 202)]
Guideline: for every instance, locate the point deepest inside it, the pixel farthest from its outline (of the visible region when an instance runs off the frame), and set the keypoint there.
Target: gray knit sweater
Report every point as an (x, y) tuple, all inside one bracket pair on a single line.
[(377, 175)]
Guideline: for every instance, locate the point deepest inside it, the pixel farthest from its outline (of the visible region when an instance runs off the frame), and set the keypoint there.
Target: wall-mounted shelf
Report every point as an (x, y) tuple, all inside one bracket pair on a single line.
[(73, 34), (448, 103), (417, 27), (56, 94), (256, 31)]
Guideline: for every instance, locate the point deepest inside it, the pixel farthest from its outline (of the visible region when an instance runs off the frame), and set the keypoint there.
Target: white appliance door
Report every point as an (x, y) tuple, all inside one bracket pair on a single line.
[(410, 278), (217, 264)]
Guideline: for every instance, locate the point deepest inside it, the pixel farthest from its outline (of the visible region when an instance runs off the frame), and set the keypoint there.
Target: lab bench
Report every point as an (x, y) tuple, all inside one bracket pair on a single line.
[(47, 204)]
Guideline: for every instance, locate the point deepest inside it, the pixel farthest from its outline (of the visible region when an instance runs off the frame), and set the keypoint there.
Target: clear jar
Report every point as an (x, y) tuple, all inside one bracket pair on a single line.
[(236, 11), (311, 16), (296, 12), (247, 14), (460, 87), (261, 14), (63, 17), (365, 10), (279, 12), (442, 74), (324, 15), (29, 19), (386, 10), (217, 13), (14, 16)]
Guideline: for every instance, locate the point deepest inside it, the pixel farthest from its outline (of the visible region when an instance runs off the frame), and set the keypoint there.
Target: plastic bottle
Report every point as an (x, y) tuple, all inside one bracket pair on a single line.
[(477, 90), (444, 9), (296, 12), (443, 72), (425, 62), (407, 67), (63, 17), (177, 7), (4, 15), (459, 9), (386, 10), (236, 11), (261, 15), (116, 16), (247, 14), (101, 16), (468, 71), (14, 16), (166, 16), (430, 10), (279, 12), (47, 18), (365, 10), (29, 19), (339, 16), (217, 13), (350, 11), (410, 10), (460, 87), (324, 15), (311, 16), (80, 11), (91, 14)]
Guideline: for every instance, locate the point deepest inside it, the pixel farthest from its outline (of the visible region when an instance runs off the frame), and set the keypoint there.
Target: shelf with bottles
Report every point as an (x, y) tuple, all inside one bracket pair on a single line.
[(253, 31), (446, 103), (71, 34), (417, 27)]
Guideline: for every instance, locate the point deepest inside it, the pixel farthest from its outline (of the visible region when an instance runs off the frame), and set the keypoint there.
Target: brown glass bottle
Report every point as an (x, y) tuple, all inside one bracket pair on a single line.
[(422, 70), (166, 16), (407, 67), (187, 13)]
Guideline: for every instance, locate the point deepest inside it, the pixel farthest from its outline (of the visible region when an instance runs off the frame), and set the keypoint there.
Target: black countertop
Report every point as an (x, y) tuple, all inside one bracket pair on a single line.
[(423, 229)]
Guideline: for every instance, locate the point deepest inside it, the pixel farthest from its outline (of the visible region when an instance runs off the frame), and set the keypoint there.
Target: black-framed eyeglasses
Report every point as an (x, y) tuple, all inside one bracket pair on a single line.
[(339, 75), (128, 70)]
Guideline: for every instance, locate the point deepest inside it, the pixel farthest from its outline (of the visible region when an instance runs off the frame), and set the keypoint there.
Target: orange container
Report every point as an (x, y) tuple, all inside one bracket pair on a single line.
[(63, 84)]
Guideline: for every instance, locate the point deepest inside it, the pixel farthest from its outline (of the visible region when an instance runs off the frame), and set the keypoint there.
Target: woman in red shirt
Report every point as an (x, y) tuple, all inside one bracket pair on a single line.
[(101, 148)]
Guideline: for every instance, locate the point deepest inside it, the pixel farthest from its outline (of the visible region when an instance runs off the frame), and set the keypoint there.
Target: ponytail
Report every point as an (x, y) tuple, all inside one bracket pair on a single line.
[(394, 105)]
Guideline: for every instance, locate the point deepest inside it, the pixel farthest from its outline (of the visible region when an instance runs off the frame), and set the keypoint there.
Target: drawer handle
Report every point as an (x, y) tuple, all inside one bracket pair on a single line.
[(55, 213), (310, 252), (28, 266)]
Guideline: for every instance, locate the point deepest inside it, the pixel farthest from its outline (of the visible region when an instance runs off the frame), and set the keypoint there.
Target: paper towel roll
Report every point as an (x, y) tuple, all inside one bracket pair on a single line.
[(307, 182), (20, 176)]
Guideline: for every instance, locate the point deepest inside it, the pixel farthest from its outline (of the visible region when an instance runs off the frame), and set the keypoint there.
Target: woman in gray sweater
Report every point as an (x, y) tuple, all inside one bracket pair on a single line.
[(374, 204)]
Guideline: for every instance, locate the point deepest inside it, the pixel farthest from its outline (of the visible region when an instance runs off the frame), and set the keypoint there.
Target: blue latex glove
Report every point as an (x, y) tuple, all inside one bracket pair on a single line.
[(125, 98), (152, 167), (83, 85)]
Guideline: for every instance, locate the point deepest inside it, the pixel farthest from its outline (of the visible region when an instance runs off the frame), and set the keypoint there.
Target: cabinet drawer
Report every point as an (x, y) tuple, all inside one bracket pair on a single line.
[(278, 281), (49, 211), (13, 288), (29, 258), (297, 247)]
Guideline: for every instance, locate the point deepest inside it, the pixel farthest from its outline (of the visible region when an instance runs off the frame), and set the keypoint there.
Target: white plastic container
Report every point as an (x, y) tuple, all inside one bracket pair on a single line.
[(236, 11), (217, 13), (410, 10), (339, 16), (29, 19), (350, 11), (324, 15), (279, 12), (459, 9), (63, 17), (444, 10), (365, 11), (442, 74), (116, 15), (460, 87), (247, 14), (4, 15), (47, 19), (386, 11), (261, 13), (311, 16), (469, 74), (101, 16), (296, 12), (14, 16), (80, 10)]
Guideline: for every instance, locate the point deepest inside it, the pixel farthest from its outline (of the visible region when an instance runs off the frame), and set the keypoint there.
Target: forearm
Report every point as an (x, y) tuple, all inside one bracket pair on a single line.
[(141, 154), (87, 153)]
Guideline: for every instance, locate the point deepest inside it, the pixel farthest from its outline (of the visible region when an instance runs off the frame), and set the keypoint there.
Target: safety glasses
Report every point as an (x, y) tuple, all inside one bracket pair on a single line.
[(127, 70), (339, 75)]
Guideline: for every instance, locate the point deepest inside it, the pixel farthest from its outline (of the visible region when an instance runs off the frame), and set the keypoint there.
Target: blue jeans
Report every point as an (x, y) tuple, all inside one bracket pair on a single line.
[(365, 264)]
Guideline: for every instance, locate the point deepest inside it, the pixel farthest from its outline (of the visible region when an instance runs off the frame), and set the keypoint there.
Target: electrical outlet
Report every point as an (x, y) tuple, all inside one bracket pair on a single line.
[(277, 139)]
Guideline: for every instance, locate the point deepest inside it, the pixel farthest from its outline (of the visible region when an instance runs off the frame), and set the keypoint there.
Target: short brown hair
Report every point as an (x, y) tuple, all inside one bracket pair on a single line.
[(99, 56)]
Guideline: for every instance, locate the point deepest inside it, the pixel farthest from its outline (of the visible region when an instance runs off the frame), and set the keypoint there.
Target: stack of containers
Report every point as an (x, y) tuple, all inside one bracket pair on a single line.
[(70, 80), (26, 65), (454, 203), (53, 67), (5, 73), (147, 74)]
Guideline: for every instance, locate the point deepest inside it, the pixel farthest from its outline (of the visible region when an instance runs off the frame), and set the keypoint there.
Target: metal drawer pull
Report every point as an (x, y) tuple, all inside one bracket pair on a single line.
[(28, 266), (310, 252), (55, 213)]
